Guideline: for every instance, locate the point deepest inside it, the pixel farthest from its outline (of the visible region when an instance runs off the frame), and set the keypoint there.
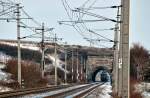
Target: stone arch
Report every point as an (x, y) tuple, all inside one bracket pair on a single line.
[(98, 69)]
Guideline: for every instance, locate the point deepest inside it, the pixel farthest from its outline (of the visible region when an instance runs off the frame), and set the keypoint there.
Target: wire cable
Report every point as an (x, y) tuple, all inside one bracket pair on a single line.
[(31, 17), (77, 28), (101, 36), (95, 15), (83, 5), (89, 8)]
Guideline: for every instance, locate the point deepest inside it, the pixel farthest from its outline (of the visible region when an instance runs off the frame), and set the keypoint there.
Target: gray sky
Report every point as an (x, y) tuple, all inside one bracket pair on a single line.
[(51, 11), (140, 22)]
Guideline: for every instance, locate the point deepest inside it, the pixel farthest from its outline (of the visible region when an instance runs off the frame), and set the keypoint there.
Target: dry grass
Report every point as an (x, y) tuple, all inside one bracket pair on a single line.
[(115, 96), (30, 74), (134, 94)]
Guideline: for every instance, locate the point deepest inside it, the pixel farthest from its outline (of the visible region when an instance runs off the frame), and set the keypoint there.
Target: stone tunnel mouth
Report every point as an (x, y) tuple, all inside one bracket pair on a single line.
[(104, 74)]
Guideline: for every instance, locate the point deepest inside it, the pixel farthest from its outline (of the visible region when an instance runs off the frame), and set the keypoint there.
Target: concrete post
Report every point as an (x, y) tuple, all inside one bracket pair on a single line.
[(72, 65), (116, 61), (43, 53), (125, 48), (55, 63), (65, 65), (19, 49)]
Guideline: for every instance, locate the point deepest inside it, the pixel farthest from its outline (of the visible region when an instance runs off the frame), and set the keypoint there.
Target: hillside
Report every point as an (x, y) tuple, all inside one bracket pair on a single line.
[(31, 50)]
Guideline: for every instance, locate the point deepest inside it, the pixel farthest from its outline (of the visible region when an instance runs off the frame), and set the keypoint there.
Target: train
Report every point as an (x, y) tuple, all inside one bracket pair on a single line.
[(105, 77)]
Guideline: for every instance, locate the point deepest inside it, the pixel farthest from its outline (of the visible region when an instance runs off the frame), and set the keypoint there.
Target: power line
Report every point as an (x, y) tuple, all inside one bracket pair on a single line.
[(104, 29), (84, 26), (89, 8), (106, 7), (101, 36), (98, 40), (83, 5), (31, 17), (79, 31), (6, 3), (94, 15), (4, 10), (7, 12), (73, 25), (79, 20)]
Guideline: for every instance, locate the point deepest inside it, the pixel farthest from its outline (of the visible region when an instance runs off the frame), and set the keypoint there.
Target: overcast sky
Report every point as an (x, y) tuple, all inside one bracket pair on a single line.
[(51, 11), (140, 22)]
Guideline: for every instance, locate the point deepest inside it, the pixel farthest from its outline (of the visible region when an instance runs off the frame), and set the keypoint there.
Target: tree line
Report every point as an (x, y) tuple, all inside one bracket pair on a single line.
[(139, 63)]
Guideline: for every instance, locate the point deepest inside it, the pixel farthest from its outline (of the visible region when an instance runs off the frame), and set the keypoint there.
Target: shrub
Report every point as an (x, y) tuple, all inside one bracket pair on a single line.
[(134, 94), (31, 73)]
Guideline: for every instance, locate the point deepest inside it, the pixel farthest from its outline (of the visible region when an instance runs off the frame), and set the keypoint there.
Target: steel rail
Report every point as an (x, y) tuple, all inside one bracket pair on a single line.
[(22, 92), (76, 92), (85, 92)]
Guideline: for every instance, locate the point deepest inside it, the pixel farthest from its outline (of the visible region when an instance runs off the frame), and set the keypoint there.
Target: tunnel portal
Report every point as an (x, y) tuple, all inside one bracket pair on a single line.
[(101, 74)]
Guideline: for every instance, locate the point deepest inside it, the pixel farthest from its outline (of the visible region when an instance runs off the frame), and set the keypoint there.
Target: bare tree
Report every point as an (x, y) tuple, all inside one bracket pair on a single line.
[(139, 57)]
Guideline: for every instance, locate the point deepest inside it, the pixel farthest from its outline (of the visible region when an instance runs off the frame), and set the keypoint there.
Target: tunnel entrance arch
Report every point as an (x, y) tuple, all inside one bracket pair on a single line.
[(100, 69)]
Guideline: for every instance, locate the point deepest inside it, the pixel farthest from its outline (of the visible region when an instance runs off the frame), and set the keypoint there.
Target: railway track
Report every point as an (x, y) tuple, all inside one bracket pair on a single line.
[(22, 92), (62, 91), (80, 91)]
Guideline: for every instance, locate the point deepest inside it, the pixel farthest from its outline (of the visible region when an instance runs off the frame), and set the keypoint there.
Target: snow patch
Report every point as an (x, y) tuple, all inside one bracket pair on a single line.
[(143, 88), (59, 63), (4, 77), (102, 91), (146, 94), (26, 46), (106, 90), (5, 89), (2, 66), (4, 57), (31, 47)]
